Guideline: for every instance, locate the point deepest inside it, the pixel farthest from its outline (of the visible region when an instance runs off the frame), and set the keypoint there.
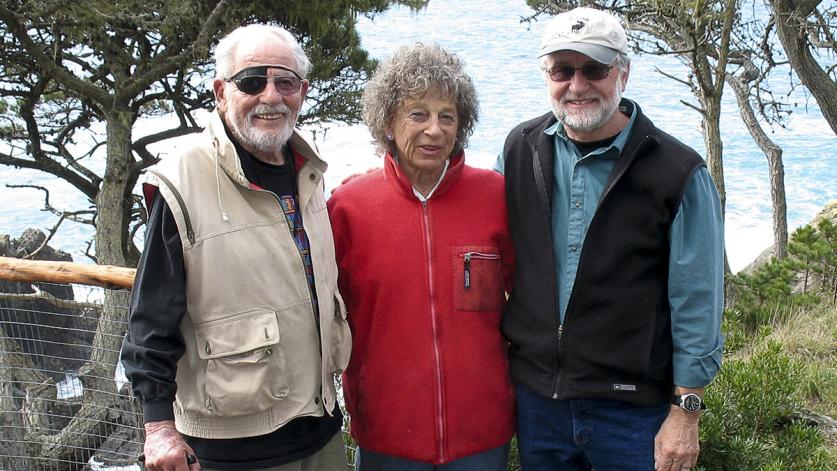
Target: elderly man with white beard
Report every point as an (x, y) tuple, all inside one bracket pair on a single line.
[(236, 327), (614, 318)]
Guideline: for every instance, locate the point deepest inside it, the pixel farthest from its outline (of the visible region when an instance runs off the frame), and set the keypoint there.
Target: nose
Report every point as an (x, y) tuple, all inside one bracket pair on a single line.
[(434, 126), (579, 81), (270, 94)]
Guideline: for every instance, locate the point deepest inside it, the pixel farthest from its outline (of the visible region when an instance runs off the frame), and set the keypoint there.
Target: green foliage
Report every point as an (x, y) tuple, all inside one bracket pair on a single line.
[(749, 422), (514, 456), (820, 383), (736, 335), (777, 288), (827, 231), (763, 296), (807, 250)]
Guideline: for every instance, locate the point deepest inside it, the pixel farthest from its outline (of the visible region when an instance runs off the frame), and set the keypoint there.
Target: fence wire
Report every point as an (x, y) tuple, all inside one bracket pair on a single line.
[(65, 403)]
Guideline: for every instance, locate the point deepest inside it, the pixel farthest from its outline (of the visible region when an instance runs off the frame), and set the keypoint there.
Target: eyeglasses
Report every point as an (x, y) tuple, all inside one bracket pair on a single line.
[(592, 71), (253, 80)]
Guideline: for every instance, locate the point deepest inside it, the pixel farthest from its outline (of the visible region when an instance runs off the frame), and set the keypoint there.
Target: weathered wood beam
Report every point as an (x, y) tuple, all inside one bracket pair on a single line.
[(106, 276)]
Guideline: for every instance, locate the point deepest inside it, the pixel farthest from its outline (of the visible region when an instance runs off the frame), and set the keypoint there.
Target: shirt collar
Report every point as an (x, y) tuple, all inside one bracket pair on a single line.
[(423, 198), (557, 129)]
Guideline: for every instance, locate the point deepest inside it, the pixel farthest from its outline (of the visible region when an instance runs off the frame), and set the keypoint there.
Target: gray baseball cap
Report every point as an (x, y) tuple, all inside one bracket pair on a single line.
[(588, 31)]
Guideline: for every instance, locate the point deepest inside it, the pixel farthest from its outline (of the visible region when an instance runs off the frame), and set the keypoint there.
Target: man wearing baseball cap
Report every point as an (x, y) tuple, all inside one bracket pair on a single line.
[(614, 319)]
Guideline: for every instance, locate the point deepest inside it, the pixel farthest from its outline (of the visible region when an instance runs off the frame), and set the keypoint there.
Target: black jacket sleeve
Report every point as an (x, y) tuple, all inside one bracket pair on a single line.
[(154, 344)]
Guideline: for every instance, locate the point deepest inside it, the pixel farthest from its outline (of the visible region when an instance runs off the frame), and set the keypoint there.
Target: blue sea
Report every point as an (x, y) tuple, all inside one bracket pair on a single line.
[(499, 52)]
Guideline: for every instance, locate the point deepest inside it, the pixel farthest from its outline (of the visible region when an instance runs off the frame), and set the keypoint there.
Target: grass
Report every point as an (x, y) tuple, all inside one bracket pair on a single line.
[(810, 336)]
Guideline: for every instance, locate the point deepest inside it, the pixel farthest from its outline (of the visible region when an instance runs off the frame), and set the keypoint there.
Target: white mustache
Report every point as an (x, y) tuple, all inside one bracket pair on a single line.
[(567, 98), (268, 109)]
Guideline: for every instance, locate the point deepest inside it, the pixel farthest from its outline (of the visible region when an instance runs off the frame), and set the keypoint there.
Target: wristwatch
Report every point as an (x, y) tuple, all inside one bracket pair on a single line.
[(688, 402)]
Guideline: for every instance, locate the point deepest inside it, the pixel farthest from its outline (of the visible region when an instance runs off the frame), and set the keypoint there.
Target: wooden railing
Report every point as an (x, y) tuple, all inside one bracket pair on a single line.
[(105, 276)]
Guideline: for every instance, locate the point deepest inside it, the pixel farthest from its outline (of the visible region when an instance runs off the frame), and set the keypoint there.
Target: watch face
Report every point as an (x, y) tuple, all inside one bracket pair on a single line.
[(691, 402)]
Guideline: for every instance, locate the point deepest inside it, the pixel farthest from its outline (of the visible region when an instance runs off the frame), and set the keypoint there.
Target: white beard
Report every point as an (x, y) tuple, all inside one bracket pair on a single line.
[(589, 120), (264, 140)]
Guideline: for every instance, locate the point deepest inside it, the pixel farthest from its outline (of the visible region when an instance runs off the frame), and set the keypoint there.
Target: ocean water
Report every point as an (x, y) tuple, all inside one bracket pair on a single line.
[(499, 52)]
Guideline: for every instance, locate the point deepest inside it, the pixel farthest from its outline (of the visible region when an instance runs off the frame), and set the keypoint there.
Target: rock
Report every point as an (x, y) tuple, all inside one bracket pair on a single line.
[(828, 212), (30, 240), (57, 339)]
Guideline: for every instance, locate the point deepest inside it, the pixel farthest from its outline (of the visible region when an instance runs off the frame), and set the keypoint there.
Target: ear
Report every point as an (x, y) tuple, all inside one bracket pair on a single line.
[(218, 87), (625, 77), (303, 89)]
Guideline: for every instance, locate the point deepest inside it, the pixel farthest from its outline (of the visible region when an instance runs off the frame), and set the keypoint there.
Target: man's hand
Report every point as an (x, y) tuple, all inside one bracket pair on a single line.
[(676, 444), (165, 449)]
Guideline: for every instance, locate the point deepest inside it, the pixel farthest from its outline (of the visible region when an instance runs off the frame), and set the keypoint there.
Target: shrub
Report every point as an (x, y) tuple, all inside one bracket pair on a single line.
[(749, 422)]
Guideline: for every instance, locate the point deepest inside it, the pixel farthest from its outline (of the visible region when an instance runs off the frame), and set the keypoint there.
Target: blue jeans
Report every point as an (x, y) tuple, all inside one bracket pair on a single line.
[(583, 434), (495, 459)]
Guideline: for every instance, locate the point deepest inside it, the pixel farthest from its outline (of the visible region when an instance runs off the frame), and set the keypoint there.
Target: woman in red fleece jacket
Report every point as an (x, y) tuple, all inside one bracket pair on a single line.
[(424, 260)]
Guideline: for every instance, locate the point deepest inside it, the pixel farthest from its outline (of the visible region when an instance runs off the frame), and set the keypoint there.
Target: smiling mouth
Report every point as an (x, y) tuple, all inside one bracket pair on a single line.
[(270, 116), (579, 102)]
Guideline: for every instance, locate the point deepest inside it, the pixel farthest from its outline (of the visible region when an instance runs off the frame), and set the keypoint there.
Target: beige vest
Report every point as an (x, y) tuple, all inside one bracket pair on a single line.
[(253, 355)]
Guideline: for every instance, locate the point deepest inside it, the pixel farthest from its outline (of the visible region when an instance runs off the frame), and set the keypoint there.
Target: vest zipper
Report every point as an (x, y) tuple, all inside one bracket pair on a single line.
[(479, 256), (540, 183), (558, 335), (440, 395), (190, 233)]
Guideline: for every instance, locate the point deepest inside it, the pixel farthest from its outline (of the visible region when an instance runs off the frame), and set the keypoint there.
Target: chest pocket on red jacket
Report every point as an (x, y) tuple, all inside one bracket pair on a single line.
[(477, 279)]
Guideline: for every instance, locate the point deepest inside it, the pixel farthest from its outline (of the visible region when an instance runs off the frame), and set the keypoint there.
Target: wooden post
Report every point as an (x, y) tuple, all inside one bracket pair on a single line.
[(106, 276)]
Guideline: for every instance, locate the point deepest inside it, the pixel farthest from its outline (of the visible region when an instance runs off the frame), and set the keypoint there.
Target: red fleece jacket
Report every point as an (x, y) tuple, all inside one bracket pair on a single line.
[(424, 284)]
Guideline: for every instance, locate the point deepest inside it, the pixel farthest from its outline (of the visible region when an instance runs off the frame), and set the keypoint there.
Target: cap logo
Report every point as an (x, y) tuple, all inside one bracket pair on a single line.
[(578, 26)]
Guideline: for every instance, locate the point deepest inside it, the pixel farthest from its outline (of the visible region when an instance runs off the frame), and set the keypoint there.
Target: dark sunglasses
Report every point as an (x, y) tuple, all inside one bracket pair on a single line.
[(253, 80), (592, 71)]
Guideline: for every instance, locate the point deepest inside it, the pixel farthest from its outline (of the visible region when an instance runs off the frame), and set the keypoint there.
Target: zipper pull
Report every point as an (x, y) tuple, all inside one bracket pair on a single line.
[(560, 331), (467, 270)]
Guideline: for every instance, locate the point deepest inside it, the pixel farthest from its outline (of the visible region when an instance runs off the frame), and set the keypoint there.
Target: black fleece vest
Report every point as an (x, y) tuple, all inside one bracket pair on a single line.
[(616, 339)]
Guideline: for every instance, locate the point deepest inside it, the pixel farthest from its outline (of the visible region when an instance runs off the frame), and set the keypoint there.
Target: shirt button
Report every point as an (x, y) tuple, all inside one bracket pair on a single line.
[(578, 204), (316, 400), (312, 177), (572, 248)]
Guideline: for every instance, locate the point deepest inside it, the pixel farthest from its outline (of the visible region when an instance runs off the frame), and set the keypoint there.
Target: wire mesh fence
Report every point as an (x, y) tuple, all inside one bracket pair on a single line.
[(65, 403)]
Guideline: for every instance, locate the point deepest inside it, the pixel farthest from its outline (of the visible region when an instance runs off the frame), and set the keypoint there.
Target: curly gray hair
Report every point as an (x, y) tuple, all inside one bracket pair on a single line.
[(411, 72)]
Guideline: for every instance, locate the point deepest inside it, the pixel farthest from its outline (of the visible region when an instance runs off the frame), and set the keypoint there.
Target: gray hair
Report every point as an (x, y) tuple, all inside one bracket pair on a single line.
[(623, 61), (225, 50), (411, 72)]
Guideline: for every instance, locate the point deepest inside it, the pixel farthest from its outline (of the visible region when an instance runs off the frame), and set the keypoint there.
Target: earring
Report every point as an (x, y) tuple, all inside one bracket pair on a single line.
[(389, 136)]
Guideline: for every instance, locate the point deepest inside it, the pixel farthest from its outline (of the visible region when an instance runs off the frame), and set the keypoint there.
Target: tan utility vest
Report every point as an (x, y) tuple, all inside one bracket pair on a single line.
[(254, 359)]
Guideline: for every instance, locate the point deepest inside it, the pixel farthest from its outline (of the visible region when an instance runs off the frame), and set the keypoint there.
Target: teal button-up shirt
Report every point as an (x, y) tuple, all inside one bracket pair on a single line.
[(696, 260)]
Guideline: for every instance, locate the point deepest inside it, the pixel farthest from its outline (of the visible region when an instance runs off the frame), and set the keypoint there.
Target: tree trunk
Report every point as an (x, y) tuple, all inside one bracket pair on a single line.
[(773, 152), (711, 130), (790, 26), (11, 419), (114, 199)]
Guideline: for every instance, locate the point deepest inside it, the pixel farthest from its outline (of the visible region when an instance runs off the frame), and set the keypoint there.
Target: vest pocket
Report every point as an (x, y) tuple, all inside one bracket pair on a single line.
[(477, 279), (245, 365)]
